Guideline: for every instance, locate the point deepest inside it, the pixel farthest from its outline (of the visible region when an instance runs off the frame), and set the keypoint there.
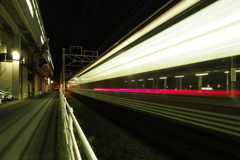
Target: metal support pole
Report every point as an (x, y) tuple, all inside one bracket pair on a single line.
[(232, 76), (180, 83), (227, 82), (144, 83), (199, 82), (177, 85), (165, 84), (157, 82), (153, 84), (63, 71)]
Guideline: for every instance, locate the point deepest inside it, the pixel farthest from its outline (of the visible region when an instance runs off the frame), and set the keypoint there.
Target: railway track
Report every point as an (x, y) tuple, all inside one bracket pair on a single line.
[(179, 140)]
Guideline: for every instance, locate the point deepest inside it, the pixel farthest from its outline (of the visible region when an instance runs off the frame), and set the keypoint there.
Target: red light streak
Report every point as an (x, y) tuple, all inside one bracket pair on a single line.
[(217, 93)]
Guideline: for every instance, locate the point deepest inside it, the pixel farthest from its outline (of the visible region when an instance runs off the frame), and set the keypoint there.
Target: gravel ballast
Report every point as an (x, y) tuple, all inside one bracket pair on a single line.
[(109, 140)]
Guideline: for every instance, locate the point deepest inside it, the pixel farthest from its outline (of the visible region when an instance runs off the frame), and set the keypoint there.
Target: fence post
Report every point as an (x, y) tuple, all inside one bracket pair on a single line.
[(70, 138), (75, 146), (70, 121)]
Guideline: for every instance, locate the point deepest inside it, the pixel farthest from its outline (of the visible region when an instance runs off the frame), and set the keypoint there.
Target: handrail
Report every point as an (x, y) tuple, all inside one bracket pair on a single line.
[(70, 121)]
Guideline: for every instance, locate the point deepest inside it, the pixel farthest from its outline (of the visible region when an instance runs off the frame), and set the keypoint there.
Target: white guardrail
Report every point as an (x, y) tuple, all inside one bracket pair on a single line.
[(71, 122)]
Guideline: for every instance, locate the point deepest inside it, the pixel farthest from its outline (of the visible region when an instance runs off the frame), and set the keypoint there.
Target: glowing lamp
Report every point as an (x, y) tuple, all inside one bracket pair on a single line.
[(16, 56)]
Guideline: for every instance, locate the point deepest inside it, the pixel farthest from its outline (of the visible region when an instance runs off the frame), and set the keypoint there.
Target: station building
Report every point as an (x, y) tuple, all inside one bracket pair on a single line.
[(26, 66)]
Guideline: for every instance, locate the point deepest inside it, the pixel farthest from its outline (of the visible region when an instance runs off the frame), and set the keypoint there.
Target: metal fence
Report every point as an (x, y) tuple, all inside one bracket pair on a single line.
[(71, 122)]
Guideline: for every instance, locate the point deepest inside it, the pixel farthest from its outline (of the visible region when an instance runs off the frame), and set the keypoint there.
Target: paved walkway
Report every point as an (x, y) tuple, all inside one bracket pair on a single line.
[(28, 128)]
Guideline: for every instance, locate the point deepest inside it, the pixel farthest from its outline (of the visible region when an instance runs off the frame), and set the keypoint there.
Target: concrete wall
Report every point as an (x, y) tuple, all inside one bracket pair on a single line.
[(25, 83), (36, 88), (6, 76), (22, 76)]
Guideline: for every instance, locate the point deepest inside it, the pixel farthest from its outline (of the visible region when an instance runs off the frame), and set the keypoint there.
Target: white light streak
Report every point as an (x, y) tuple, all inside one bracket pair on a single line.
[(209, 34), (181, 6)]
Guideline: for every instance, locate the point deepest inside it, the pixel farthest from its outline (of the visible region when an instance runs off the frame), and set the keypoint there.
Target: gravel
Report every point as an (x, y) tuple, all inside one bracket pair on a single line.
[(109, 140)]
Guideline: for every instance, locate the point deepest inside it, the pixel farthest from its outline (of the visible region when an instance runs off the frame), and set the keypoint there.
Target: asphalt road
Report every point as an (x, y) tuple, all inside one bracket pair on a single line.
[(28, 128)]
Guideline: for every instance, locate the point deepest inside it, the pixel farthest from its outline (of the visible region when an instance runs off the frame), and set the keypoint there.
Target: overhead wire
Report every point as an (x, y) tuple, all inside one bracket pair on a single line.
[(80, 23), (124, 23), (89, 22)]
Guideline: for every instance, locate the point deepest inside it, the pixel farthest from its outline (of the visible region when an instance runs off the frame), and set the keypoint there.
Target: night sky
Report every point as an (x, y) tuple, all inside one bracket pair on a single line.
[(93, 24)]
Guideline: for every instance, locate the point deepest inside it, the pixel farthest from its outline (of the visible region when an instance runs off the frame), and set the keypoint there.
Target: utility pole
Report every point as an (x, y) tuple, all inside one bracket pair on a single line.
[(63, 71)]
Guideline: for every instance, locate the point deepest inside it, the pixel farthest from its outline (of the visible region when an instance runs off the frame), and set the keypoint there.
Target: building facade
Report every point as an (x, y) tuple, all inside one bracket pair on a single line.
[(26, 67)]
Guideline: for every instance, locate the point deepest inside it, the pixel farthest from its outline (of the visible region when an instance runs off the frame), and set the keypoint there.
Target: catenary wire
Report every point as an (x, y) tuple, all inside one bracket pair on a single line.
[(89, 22), (124, 23), (80, 23)]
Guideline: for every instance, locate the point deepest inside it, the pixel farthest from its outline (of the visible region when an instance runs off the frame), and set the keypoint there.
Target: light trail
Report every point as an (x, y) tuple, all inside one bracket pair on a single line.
[(213, 93)]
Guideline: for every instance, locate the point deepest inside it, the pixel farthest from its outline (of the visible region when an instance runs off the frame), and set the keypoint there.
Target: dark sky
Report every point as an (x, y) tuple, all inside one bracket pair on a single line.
[(93, 24)]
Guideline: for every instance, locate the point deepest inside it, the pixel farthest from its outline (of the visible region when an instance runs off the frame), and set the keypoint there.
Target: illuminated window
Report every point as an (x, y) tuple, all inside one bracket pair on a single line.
[(163, 78), (201, 74), (30, 7), (181, 76)]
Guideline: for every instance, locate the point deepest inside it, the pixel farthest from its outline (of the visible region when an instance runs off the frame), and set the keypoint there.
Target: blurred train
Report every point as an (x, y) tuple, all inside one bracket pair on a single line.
[(181, 64)]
